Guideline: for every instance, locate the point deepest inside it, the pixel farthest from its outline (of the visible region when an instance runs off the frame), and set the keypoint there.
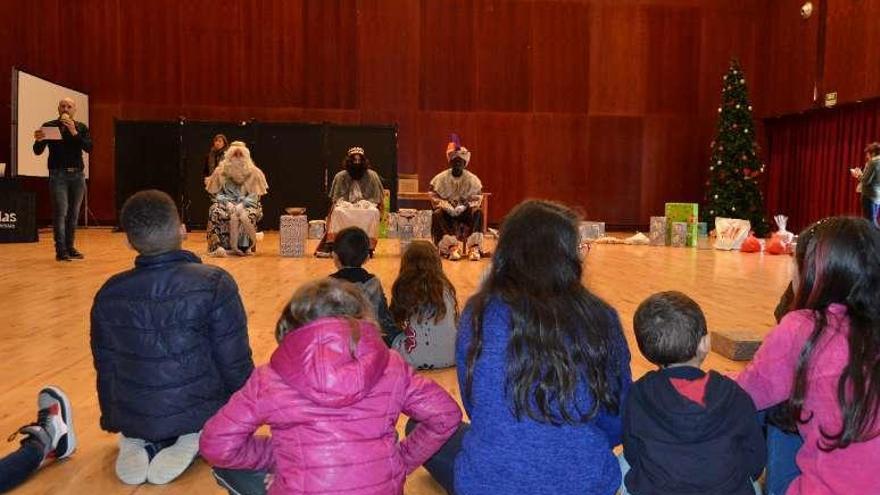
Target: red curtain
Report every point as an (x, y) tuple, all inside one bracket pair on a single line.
[(809, 157)]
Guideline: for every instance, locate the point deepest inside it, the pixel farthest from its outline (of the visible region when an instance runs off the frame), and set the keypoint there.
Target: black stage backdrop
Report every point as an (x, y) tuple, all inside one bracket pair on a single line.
[(299, 161)]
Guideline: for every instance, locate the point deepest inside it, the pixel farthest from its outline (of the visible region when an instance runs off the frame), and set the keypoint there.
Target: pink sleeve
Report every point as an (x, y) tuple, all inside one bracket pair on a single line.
[(768, 378), (228, 439), (438, 417)]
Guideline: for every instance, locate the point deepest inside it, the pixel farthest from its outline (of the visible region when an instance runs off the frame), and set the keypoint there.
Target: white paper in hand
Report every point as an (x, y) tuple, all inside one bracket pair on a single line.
[(51, 133)]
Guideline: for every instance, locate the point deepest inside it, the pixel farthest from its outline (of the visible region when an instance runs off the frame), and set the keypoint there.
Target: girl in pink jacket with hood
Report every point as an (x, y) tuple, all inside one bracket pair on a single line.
[(331, 396), (824, 359)]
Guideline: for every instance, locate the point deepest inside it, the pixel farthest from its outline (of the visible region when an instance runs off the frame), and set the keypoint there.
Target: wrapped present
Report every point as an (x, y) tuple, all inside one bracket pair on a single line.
[(423, 224), (785, 236), (293, 233), (317, 229), (590, 231), (405, 236), (657, 234), (702, 229), (687, 213), (730, 233), (406, 219), (751, 244), (679, 234), (703, 236), (392, 225), (777, 244)]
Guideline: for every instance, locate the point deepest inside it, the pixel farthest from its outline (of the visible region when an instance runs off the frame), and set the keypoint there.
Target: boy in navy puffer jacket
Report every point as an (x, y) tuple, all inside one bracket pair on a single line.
[(170, 345)]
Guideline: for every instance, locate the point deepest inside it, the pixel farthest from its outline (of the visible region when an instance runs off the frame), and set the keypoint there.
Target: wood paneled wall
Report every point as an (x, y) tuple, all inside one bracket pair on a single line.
[(796, 57), (606, 104)]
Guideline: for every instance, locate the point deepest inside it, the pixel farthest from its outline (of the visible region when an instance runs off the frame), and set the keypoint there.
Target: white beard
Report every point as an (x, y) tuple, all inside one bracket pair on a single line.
[(237, 169)]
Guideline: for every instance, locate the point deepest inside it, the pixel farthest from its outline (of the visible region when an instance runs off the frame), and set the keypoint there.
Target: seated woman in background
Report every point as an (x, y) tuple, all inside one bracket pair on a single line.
[(824, 359), (423, 304), (236, 186), (543, 369)]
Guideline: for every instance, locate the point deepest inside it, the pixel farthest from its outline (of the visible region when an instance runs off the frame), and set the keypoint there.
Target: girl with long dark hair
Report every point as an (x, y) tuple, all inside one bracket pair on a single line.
[(543, 367), (423, 304), (824, 359)]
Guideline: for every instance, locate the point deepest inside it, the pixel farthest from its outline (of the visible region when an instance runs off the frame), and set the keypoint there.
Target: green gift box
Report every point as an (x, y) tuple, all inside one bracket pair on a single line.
[(683, 212)]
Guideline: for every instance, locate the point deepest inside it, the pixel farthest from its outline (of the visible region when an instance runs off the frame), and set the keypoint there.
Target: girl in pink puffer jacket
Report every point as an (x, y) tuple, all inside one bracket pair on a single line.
[(331, 396)]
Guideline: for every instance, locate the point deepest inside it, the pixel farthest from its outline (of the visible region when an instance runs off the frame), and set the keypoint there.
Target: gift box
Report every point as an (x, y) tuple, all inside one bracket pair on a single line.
[(293, 231), (590, 231), (679, 234), (317, 229), (406, 219), (686, 213), (703, 236), (392, 225), (657, 234), (422, 228)]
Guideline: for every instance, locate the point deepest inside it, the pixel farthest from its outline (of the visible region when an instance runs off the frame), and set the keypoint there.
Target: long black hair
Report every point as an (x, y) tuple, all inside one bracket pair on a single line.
[(562, 335), (838, 262)]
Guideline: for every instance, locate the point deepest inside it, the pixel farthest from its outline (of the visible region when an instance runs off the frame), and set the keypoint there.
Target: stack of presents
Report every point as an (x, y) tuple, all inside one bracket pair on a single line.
[(679, 227), (407, 224)]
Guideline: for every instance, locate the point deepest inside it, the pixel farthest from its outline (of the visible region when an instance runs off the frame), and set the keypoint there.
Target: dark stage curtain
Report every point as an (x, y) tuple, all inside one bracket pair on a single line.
[(809, 157)]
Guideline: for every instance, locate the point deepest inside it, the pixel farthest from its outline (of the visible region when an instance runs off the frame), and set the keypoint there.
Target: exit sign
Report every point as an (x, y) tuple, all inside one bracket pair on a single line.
[(830, 99)]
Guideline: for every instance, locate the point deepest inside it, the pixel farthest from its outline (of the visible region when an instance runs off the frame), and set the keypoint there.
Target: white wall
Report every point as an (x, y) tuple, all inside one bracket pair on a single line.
[(35, 101)]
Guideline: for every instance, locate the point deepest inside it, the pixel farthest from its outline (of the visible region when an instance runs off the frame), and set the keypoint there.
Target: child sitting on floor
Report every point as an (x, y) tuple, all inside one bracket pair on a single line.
[(685, 430)]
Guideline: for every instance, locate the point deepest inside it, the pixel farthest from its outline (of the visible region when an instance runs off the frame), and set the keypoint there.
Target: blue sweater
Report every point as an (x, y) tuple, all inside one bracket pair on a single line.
[(503, 455)]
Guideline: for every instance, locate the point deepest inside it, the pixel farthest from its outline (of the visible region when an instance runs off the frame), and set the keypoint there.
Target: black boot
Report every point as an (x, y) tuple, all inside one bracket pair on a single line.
[(73, 254)]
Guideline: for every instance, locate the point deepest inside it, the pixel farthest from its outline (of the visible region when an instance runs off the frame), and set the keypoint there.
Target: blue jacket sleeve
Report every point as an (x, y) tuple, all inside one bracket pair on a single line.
[(462, 343), (228, 333), (609, 421)]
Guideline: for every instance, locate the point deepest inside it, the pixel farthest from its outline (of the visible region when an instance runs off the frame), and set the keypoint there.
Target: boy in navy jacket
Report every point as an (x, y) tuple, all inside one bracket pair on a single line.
[(686, 431)]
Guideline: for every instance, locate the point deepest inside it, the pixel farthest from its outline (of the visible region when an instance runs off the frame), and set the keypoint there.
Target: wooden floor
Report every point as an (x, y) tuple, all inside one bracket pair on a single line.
[(45, 314)]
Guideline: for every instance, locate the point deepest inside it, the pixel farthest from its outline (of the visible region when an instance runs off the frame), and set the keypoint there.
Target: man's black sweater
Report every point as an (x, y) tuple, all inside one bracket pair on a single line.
[(66, 153)]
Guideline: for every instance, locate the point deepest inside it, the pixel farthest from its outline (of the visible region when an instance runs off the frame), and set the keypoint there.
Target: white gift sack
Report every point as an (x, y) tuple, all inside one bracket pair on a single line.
[(364, 218), (730, 233)]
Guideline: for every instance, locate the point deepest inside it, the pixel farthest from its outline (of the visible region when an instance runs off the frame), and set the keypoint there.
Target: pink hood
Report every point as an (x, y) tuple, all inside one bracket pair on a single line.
[(317, 361), (332, 414)]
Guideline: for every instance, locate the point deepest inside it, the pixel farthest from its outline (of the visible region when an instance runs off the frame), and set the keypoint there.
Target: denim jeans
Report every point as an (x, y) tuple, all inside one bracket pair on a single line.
[(241, 481), (870, 210), (17, 466), (67, 189), (441, 466), (782, 448)]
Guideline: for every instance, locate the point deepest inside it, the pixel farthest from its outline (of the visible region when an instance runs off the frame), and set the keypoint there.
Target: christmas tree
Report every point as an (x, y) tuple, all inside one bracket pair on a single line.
[(733, 189)]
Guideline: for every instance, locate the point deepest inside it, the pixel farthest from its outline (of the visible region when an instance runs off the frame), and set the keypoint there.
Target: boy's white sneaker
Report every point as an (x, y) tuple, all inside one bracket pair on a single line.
[(172, 461)]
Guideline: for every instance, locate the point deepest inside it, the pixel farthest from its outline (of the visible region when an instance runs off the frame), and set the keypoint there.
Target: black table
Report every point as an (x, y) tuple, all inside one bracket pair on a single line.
[(18, 212)]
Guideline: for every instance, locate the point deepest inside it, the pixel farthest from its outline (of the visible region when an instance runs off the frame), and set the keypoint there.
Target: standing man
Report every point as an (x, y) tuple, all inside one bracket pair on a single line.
[(456, 194), (67, 181)]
